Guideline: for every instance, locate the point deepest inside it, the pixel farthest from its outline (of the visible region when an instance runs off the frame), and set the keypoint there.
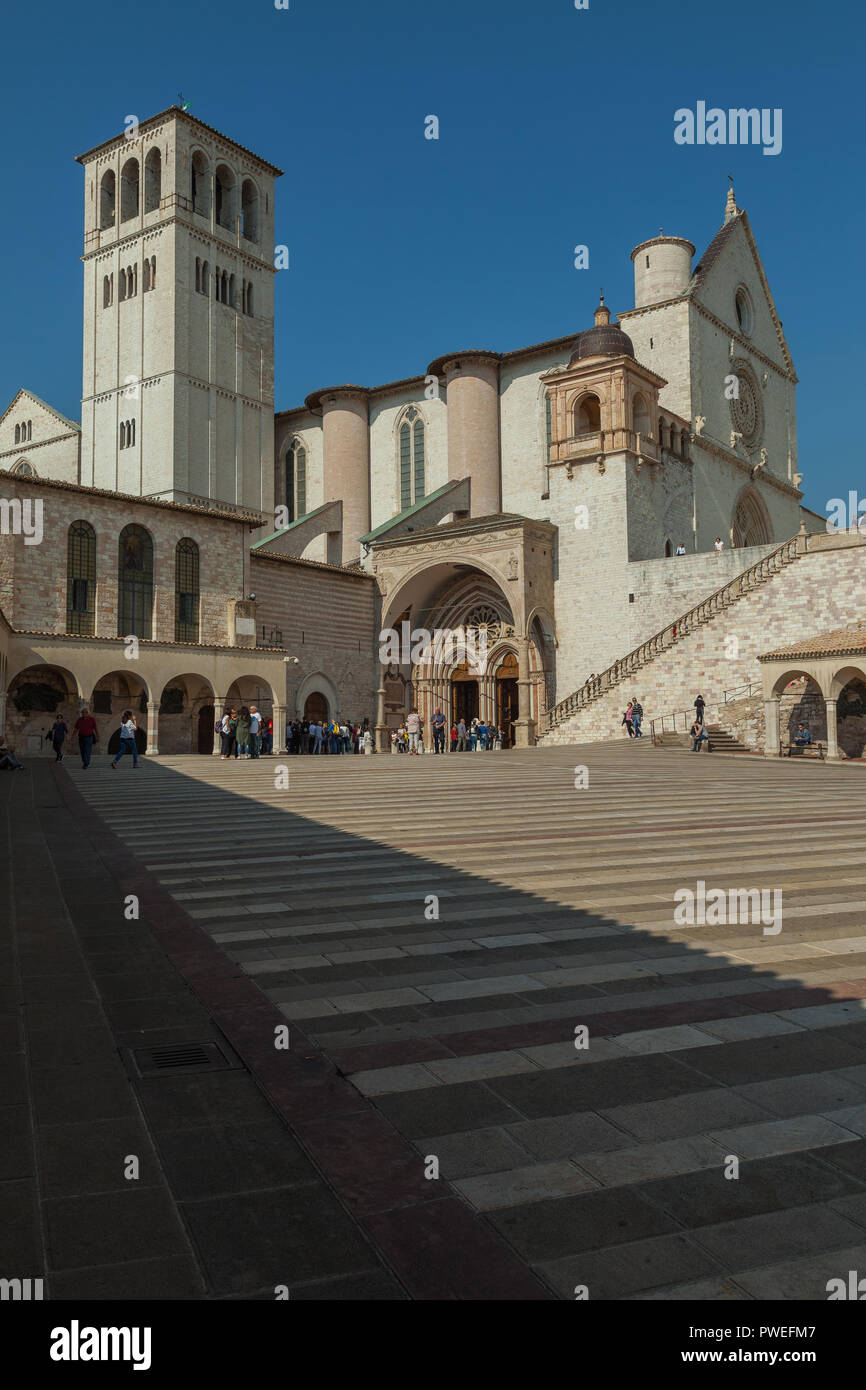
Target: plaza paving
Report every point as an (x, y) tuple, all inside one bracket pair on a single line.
[(416, 1035)]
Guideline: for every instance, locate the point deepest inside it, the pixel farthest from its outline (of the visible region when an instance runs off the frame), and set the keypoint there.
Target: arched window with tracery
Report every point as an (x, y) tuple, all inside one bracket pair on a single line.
[(186, 591), (412, 459), (135, 583), (80, 579), (296, 480), (750, 522)]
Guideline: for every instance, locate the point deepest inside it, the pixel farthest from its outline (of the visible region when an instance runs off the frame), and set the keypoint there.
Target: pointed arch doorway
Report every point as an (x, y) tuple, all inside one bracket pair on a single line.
[(464, 694), (507, 701)]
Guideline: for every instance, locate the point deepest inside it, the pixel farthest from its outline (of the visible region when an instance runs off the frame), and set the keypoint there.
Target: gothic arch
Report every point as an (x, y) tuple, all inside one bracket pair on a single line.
[(750, 523), (317, 684)]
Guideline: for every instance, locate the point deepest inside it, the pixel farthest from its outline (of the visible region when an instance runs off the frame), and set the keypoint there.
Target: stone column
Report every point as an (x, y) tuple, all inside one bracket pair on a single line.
[(279, 729), (524, 727), (382, 744), (771, 728), (4, 696), (153, 727), (832, 741)]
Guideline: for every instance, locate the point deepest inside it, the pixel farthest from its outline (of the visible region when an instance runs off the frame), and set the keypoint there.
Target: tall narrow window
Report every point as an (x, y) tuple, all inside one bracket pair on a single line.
[(205, 281), (410, 438), (29, 429), (186, 591), (106, 291), (200, 184), (249, 211), (17, 434), (121, 286), (548, 420), (80, 578), (232, 291), (107, 200), (198, 274), (296, 480), (153, 272), (145, 278), (152, 179), (135, 583), (224, 194), (250, 297), (129, 190)]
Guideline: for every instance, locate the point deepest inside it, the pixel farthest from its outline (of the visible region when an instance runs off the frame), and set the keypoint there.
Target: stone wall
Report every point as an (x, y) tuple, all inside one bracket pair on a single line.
[(327, 620), (34, 577)]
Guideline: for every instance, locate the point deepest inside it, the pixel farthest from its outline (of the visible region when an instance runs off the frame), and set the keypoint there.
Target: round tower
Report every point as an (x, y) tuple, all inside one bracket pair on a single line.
[(472, 393), (346, 460), (662, 269)]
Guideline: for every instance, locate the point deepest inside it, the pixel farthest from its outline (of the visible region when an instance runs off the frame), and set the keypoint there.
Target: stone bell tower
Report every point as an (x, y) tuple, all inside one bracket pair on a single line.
[(177, 394)]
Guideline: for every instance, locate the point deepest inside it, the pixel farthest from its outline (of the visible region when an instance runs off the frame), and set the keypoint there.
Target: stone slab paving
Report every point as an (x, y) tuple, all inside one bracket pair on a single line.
[(434, 931)]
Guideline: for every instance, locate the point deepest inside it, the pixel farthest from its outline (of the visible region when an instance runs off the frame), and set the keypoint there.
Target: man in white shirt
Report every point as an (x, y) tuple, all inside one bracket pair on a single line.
[(718, 545), (255, 729)]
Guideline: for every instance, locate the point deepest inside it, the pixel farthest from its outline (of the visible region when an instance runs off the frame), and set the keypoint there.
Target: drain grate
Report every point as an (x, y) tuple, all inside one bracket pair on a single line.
[(177, 1059)]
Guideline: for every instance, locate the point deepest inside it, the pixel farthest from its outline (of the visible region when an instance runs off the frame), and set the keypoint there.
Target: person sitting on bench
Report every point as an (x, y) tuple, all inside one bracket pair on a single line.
[(802, 738), (699, 734)]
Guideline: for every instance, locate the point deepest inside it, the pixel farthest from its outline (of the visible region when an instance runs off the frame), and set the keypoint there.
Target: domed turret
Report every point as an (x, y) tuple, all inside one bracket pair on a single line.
[(604, 340)]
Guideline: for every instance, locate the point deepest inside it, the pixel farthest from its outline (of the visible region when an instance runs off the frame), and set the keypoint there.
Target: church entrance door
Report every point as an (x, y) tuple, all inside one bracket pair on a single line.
[(205, 729), (507, 701), (316, 707), (464, 700)]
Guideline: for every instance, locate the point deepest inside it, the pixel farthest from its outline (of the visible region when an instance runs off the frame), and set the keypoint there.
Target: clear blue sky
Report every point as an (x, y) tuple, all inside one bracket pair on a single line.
[(556, 128)]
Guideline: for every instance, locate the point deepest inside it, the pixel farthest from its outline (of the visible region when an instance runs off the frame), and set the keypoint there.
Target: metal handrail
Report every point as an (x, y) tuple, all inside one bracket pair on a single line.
[(749, 687), (683, 626)]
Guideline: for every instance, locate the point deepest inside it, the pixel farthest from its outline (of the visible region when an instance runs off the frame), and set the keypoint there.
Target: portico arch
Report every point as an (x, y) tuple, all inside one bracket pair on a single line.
[(37, 695), (187, 712)]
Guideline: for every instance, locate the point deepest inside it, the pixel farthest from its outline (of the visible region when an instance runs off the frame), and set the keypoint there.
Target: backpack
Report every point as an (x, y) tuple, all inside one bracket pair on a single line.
[(218, 724)]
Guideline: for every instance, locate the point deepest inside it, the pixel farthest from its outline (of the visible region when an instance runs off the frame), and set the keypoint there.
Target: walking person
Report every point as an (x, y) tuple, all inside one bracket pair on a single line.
[(438, 722), (127, 739), (87, 730), (461, 735), (699, 709), (628, 717), (59, 730), (453, 738), (636, 716)]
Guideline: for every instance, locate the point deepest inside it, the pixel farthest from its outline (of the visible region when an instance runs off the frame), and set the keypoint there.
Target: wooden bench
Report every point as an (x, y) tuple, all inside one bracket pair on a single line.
[(805, 750)]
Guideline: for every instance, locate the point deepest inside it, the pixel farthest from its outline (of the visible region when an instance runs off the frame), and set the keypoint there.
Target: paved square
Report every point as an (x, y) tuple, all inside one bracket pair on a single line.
[(433, 932)]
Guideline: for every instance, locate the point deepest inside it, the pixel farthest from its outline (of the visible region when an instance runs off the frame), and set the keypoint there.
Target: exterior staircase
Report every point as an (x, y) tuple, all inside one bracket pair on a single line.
[(740, 587), (723, 742)]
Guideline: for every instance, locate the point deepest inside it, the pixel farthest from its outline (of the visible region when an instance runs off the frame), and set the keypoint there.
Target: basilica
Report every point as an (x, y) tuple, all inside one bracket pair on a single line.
[(564, 500)]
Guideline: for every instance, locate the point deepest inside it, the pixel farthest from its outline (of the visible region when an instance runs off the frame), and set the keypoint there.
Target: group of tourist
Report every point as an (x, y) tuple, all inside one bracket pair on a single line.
[(331, 736), (244, 733)]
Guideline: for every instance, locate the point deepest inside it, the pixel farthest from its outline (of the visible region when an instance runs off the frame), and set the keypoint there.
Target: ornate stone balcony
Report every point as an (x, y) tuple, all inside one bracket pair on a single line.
[(590, 444)]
